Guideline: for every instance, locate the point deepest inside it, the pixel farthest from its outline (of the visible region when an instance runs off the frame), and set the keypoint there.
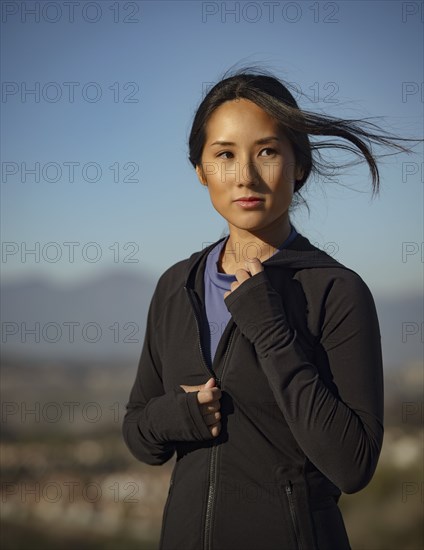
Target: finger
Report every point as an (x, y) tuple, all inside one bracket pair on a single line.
[(210, 383), (210, 408), (241, 275), (189, 389), (211, 419), (215, 429), (216, 394), (254, 266), (209, 396)]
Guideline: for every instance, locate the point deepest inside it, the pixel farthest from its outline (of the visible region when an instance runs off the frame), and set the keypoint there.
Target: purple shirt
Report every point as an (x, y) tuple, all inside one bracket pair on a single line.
[(216, 284)]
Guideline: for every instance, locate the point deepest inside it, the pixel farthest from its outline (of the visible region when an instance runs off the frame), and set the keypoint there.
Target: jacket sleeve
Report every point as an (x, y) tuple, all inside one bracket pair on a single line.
[(155, 420), (341, 432)]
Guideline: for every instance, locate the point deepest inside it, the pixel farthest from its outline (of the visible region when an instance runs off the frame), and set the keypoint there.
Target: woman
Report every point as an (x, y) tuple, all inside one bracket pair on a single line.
[(261, 366)]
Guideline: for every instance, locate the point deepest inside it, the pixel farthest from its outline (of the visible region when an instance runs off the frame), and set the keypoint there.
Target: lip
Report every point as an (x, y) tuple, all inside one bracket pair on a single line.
[(249, 198), (249, 202)]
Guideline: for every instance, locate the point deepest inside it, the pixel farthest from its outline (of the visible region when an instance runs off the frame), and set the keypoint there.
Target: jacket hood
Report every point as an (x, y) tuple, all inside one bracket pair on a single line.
[(299, 254)]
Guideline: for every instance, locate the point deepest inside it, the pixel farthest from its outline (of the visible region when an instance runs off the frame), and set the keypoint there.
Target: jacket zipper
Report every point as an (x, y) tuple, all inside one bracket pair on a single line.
[(210, 499), (289, 493), (214, 450), (212, 471)]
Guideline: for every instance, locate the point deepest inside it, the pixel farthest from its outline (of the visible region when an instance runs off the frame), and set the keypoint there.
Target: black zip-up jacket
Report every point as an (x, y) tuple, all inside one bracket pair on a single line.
[(300, 369)]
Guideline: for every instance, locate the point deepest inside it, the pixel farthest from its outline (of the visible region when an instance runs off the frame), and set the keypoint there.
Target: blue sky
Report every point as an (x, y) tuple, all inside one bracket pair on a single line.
[(136, 86)]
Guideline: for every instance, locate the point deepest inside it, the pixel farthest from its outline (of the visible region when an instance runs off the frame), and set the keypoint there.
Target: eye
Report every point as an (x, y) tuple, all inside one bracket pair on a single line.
[(271, 152), (220, 155)]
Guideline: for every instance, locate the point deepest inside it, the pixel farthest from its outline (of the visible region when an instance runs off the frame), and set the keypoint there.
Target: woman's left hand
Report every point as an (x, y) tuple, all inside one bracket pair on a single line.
[(253, 267)]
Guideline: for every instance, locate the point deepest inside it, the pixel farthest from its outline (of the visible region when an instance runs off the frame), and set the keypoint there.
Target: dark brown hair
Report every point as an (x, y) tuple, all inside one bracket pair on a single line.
[(274, 97)]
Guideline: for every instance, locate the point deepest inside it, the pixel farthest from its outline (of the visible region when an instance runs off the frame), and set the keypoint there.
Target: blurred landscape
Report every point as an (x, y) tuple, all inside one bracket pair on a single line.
[(68, 479), (105, 317)]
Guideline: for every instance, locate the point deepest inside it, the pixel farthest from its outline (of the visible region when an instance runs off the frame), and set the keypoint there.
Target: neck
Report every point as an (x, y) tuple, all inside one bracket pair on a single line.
[(243, 245)]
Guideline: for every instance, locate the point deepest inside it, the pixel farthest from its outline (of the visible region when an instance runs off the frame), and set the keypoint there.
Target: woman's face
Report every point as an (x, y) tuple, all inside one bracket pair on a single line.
[(247, 156)]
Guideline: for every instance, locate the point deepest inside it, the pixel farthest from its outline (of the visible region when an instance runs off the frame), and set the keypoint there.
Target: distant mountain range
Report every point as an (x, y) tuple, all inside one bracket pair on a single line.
[(105, 319), (101, 318)]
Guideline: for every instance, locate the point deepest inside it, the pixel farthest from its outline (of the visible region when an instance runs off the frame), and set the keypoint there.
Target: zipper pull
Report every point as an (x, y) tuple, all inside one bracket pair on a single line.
[(289, 488), (218, 381)]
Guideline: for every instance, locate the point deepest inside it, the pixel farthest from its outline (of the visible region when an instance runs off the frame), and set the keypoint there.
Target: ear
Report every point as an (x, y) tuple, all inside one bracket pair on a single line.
[(201, 175), (298, 173)]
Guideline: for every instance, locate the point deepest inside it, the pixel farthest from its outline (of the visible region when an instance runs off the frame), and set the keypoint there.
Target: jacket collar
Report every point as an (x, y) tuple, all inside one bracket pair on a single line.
[(299, 254)]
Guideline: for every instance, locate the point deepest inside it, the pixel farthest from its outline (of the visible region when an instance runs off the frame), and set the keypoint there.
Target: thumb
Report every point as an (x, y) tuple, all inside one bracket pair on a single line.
[(209, 384)]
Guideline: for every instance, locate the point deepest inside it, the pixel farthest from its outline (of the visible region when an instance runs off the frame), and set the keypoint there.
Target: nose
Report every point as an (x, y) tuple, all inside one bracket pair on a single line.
[(248, 174)]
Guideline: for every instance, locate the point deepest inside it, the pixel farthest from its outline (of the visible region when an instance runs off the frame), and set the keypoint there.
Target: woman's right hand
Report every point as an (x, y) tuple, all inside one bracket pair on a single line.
[(208, 399)]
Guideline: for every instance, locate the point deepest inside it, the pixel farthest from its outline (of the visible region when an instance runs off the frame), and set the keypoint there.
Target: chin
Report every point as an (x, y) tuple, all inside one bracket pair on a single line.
[(252, 228)]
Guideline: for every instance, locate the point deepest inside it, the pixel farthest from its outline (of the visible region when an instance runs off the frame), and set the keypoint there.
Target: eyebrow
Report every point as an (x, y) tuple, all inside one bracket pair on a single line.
[(258, 142)]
